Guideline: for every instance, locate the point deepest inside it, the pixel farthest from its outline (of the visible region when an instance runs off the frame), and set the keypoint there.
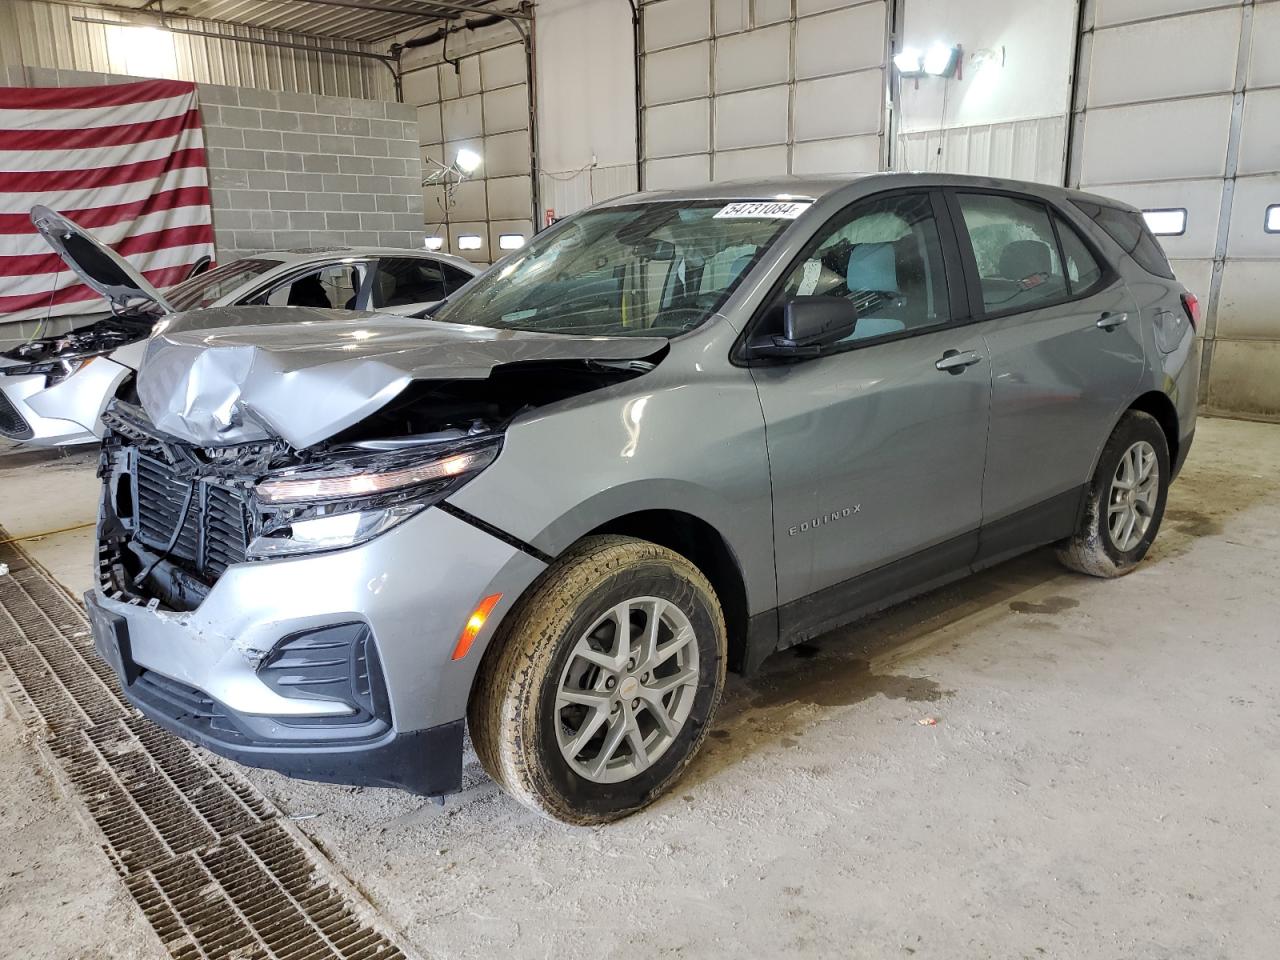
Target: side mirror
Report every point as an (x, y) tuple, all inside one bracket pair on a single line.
[(809, 325)]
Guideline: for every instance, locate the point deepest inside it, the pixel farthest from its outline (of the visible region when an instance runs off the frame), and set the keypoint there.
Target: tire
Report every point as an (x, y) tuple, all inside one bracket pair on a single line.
[(1096, 548), (522, 726)]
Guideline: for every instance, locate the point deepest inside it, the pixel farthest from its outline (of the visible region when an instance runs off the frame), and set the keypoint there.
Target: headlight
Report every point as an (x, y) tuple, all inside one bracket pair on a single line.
[(345, 486), (337, 505), (55, 371)]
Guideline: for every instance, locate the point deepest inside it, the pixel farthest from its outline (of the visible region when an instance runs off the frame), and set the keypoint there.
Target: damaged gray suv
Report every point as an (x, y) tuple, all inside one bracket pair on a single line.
[(674, 434)]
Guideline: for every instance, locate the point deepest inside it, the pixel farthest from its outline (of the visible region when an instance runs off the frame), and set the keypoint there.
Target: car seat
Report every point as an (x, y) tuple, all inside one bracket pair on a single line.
[(308, 292), (874, 267)]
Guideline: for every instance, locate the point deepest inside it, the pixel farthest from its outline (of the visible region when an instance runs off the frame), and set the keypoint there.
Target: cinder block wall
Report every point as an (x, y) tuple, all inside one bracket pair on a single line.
[(299, 170)]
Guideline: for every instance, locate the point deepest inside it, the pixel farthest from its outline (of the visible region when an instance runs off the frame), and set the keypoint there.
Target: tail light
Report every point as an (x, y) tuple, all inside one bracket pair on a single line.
[(1192, 306)]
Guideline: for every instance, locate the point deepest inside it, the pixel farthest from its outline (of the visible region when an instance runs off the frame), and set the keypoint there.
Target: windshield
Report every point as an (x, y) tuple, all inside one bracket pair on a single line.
[(654, 269), (202, 290)]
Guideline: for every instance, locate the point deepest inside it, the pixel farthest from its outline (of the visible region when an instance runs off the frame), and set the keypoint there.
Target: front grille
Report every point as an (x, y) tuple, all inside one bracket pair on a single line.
[(214, 533), (12, 424)]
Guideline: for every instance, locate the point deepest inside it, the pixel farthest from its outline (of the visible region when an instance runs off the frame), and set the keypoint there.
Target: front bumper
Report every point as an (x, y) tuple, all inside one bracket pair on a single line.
[(66, 413), (199, 673)]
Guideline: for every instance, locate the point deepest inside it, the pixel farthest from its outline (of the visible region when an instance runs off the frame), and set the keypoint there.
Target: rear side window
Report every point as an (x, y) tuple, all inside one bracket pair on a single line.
[(1016, 252), (1083, 269), (1128, 229)]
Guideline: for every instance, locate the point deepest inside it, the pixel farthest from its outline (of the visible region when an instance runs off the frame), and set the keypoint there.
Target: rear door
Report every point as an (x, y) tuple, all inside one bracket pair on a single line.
[(1064, 337), (875, 451)]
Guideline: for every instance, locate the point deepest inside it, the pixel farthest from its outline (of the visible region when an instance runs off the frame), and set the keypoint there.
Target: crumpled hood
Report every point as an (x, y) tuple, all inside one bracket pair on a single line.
[(303, 375)]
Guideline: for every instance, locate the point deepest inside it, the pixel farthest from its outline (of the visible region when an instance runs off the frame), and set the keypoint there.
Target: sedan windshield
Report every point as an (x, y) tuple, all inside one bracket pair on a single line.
[(204, 289), (654, 269)]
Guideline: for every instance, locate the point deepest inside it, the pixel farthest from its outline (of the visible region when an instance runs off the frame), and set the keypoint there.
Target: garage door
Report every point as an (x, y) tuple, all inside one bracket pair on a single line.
[(1179, 113), (478, 102), (748, 88)]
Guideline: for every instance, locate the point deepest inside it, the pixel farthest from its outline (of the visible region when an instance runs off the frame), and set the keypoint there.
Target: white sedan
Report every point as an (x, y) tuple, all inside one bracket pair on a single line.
[(53, 389)]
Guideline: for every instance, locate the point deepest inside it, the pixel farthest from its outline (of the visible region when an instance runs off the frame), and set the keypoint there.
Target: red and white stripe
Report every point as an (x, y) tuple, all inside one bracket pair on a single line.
[(126, 162)]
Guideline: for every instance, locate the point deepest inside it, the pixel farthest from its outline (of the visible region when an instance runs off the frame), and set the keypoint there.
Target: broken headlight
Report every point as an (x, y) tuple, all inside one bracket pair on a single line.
[(337, 505)]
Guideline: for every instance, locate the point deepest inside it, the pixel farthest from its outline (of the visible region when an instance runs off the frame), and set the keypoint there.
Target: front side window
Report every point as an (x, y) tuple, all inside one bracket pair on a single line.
[(885, 256), (1015, 250), (212, 285), (334, 286), (650, 269)]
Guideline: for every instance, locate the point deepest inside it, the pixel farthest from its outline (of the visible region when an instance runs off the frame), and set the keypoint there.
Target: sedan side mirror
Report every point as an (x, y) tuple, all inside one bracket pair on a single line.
[(809, 325)]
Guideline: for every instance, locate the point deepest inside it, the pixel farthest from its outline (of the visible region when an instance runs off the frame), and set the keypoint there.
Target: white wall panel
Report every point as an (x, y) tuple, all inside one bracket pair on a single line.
[(838, 106), (503, 66), (1249, 304), (743, 164), (753, 59), (463, 118), (1021, 150), (1122, 11), (682, 73), (677, 172), (1150, 142), (678, 128), (668, 23), (851, 155), (421, 86), (771, 11), (1264, 63), (731, 16), (1260, 133), (430, 129), (806, 7), (842, 41), (752, 119), (1197, 54), (1195, 275), (1247, 238)]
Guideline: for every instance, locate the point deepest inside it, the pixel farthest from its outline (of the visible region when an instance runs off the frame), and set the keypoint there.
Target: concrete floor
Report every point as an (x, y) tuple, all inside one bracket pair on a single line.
[(1027, 764)]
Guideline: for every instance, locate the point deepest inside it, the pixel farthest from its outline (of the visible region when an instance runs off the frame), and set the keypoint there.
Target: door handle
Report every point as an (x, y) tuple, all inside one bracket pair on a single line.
[(1109, 321), (954, 362)]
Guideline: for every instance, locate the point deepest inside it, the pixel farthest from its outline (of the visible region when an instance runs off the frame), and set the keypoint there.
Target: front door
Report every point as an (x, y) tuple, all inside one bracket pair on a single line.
[(1066, 357), (876, 448)]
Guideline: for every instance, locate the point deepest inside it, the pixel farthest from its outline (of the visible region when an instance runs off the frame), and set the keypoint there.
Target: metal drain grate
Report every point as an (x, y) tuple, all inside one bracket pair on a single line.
[(212, 867)]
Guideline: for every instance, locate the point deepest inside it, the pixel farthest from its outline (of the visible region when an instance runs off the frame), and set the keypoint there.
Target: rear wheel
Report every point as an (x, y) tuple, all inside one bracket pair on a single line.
[(1125, 502), (601, 684)]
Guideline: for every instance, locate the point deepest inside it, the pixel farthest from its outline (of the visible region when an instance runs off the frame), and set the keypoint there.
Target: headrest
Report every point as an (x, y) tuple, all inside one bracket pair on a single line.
[(872, 266), (1025, 258)]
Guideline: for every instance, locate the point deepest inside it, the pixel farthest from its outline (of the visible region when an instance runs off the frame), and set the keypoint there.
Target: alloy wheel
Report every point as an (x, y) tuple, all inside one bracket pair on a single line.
[(1135, 490)]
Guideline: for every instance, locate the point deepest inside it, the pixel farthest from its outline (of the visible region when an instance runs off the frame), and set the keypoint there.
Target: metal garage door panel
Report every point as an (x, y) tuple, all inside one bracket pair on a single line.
[(506, 109), (1249, 301), (429, 128), (678, 128), (1149, 142), (463, 118), (668, 23), (1264, 64), (462, 81), (506, 154), (1243, 377), (503, 66), (469, 201), (806, 7), (1202, 200), (677, 172), (752, 119), (754, 59), (1123, 11), (1248, 211), (1260, 132), (839, 106), (1197, 54), (850, 155), (421, 86), (680, 74), (509, 197), (839, 42), (497, 228), (771, 11), (760, 162), (474, 228), (1196, 276), (731, 16)]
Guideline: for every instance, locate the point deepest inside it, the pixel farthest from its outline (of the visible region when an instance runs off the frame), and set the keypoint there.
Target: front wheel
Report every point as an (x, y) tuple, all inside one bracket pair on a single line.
[(601, 684), (1125, 501)]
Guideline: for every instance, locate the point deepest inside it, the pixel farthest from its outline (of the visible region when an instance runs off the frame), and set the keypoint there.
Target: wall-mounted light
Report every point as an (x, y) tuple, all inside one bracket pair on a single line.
[(1170, 222), (940, 60), (468, 161), (469, 241), (434, 243), (511, 241), (142, 51)]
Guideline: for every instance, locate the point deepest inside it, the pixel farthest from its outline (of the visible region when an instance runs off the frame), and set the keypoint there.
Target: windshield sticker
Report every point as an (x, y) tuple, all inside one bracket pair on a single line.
[(764, 209)]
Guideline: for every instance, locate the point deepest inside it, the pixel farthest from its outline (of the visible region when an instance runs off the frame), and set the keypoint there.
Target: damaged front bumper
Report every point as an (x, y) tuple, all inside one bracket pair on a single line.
[(238, 674)]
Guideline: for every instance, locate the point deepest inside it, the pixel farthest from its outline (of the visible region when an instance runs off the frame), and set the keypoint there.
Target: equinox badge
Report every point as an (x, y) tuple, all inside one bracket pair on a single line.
[(815, 522)]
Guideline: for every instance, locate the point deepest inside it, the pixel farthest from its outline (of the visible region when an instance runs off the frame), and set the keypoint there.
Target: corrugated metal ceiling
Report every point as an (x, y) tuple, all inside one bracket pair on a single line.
[(367, 21)]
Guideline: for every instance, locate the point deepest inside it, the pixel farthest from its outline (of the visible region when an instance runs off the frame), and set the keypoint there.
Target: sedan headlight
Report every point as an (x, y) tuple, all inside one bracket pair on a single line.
[(332, 506), (55, 371)]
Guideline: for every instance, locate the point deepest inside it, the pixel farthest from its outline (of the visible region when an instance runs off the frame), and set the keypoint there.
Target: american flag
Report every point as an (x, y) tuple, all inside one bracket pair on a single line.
[(126, 162)]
